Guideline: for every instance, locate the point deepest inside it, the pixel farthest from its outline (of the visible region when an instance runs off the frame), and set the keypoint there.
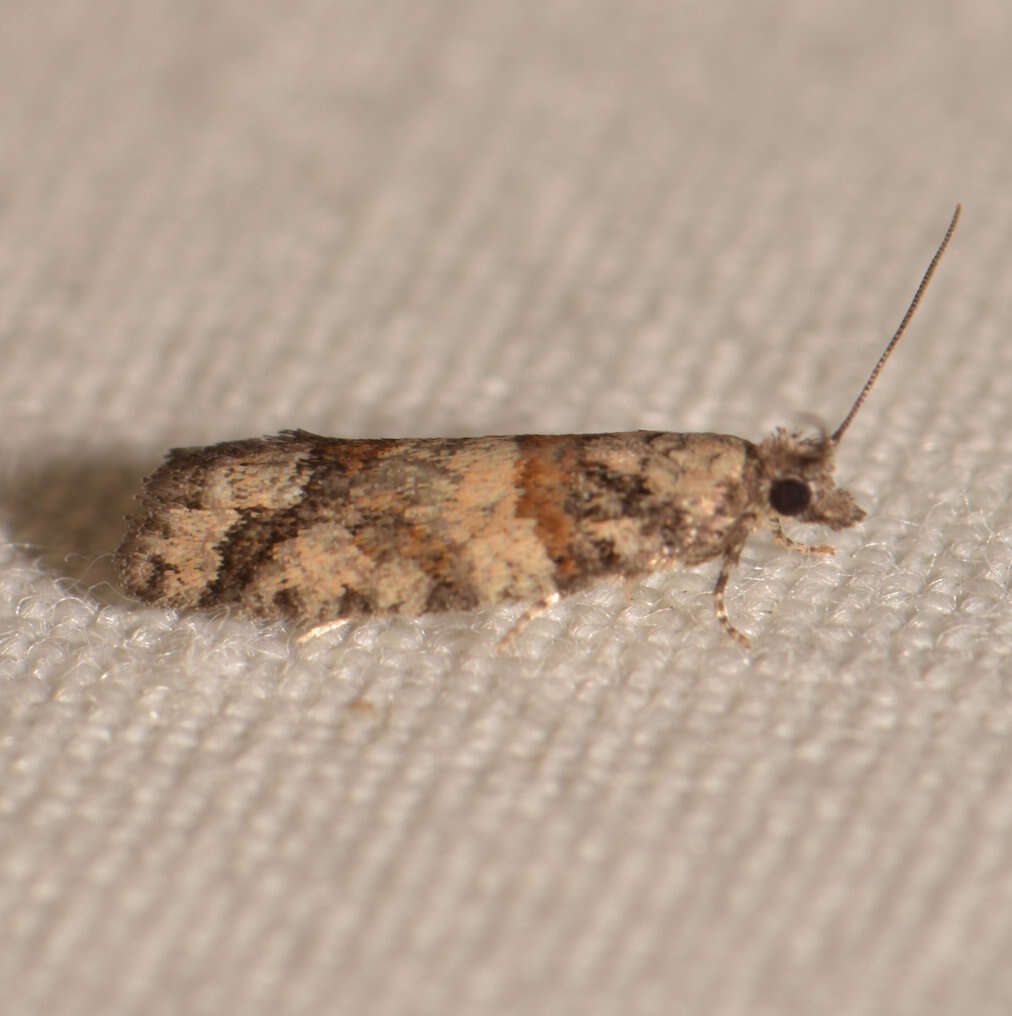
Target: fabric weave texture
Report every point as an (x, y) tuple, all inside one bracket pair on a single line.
[(395, 219)]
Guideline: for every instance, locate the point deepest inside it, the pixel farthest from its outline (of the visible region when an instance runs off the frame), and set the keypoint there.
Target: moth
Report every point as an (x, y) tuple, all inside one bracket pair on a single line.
[(319, 529)]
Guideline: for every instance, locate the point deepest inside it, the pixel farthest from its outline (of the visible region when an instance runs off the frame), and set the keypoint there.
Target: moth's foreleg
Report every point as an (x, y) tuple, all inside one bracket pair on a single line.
[(719, 606), (802, 548)]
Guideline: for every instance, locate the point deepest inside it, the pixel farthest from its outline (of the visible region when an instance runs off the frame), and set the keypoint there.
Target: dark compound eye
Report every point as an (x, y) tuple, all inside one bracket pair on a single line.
[(790, 497)]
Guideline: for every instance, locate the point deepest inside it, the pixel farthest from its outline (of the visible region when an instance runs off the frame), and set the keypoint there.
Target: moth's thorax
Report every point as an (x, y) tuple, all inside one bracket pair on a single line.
[(627, 503), (798, 480)]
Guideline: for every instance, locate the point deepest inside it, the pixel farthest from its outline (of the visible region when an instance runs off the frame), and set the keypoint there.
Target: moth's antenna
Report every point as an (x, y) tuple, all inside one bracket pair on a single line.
[(859, 401)]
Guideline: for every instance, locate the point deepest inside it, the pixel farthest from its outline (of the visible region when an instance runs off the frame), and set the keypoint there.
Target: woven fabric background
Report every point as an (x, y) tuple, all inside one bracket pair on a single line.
[(389, 218)]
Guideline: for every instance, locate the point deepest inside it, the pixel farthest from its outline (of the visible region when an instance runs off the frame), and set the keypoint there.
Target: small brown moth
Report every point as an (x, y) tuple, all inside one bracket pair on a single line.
[(321, 529)]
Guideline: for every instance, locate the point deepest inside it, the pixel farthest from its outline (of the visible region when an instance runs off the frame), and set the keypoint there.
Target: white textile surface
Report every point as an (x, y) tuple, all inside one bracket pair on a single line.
[(388, 218)]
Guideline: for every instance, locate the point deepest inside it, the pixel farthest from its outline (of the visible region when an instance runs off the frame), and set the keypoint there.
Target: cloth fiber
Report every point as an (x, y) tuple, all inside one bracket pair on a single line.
[(398, 219)]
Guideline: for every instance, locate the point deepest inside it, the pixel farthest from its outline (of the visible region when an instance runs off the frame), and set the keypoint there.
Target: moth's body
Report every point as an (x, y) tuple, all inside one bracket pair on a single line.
[(317, 529)]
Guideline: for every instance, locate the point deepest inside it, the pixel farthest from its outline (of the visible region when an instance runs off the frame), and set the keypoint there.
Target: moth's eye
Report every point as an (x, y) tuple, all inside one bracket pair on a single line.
[(790, 497)]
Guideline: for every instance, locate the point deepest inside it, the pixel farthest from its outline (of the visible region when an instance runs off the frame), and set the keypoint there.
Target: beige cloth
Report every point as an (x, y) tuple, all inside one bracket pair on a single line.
[(394, 218)]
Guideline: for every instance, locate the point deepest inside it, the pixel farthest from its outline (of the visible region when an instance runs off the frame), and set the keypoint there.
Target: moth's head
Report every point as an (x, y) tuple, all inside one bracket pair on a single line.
[(798, 481), (797, 473)]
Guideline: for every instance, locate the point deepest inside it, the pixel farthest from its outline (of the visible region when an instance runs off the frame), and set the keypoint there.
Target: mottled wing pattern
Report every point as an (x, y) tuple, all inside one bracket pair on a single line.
[(318, 528)]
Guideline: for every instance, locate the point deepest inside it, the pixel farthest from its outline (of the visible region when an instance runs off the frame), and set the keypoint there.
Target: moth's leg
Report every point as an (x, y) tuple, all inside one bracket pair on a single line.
[(802, 548), (323, 628), (719, 606), (526, 617)]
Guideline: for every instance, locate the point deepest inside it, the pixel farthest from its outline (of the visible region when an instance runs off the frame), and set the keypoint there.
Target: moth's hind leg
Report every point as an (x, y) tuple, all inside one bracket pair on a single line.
[(526, 617), (719, 606), (323, 628), (802, 548)]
